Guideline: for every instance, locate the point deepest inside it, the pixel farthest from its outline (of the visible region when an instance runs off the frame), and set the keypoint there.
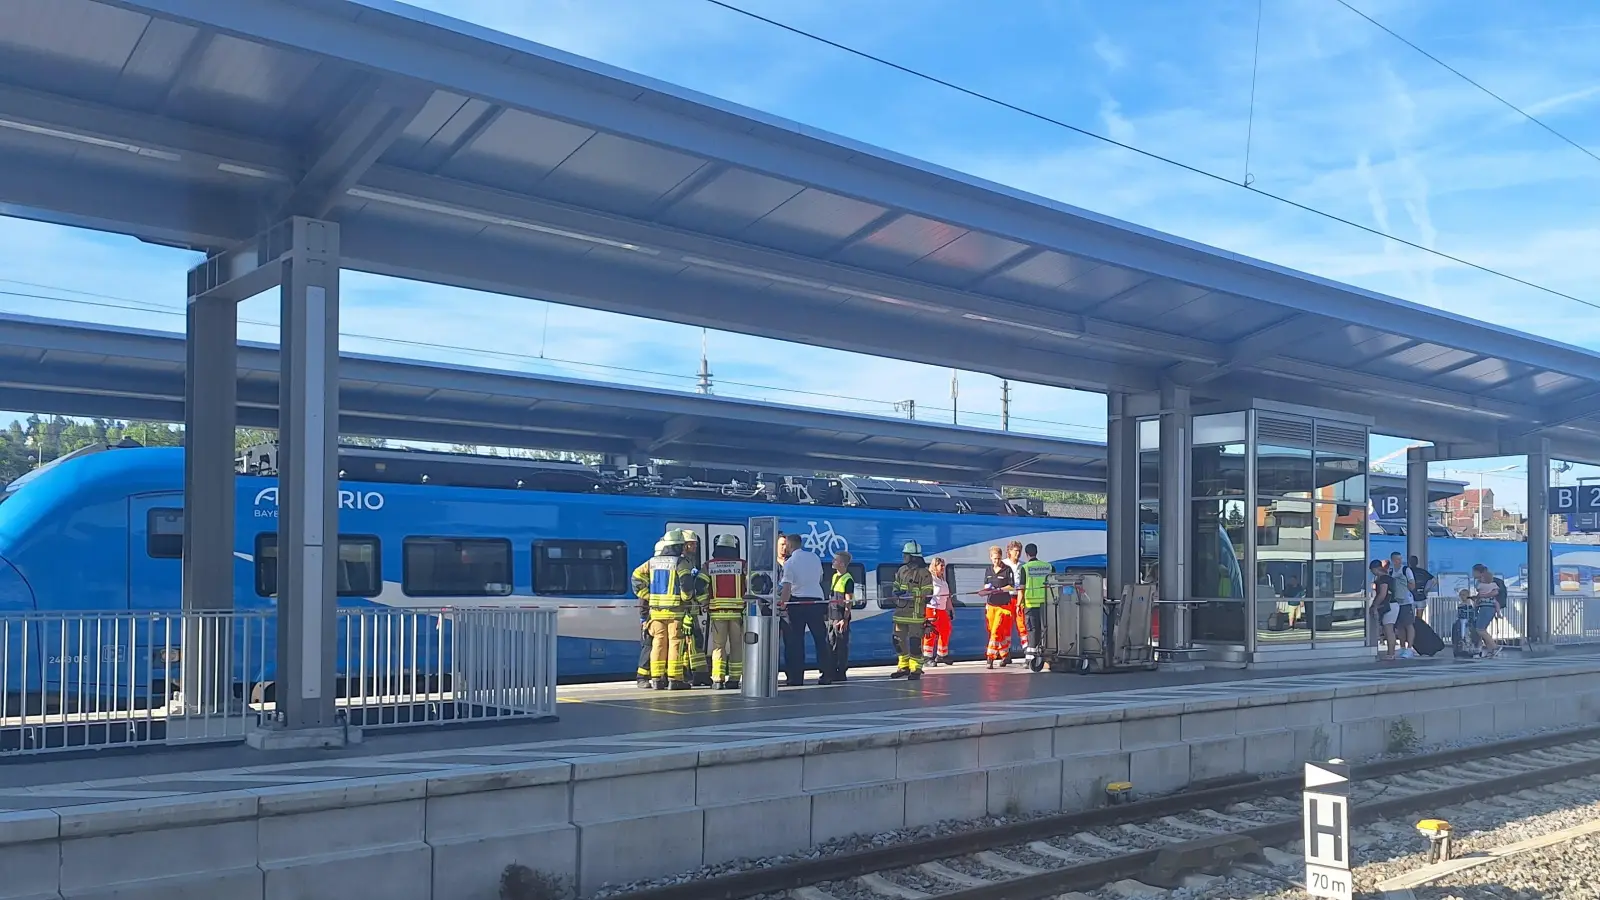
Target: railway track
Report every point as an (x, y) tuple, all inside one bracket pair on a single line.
[(1156, 841)]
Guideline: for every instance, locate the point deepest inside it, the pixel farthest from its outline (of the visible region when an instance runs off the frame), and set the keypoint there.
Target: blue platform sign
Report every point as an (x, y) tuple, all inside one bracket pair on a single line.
[(1575, 499)]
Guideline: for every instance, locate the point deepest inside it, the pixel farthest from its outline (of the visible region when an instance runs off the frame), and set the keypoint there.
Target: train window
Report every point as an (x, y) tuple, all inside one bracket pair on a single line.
[(164, 533), (858, 574), (358, 572), (456, 567), (580, 567), (886, 573)]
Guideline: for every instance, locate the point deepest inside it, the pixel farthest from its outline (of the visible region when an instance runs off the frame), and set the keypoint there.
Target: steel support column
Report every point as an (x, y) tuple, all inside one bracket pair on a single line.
[(308, 483), (300, 257), (1174, 531), (1122, 495), (1417, 505), (210, 389), (1537, 624)]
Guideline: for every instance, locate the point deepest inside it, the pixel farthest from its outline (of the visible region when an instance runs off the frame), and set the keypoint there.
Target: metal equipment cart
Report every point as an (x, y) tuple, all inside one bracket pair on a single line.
[(1086, 631)]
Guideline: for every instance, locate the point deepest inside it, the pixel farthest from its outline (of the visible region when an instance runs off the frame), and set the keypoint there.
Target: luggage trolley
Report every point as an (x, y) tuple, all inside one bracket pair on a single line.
[(1086, 631)]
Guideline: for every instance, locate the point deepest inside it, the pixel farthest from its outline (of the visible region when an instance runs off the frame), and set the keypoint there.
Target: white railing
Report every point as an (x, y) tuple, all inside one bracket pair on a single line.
[(1507, 628), (74, 681), (1574, 619)]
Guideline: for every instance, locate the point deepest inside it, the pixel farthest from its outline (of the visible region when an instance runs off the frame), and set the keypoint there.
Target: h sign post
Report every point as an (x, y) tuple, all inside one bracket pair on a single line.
[(1327, 830)]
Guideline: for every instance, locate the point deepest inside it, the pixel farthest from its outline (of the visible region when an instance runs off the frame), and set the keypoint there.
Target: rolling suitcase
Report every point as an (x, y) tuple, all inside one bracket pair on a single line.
[(1427, 641)]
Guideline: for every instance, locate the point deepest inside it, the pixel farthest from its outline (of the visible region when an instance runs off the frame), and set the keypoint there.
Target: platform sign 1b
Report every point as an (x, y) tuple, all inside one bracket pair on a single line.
[(1327, 830)]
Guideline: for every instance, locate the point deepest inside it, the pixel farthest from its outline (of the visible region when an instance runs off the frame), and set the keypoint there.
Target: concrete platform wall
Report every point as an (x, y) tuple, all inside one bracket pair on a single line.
[(614, 819)]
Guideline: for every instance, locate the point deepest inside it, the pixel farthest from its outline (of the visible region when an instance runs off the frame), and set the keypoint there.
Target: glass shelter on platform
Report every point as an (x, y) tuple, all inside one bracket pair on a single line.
[(1275, 550)]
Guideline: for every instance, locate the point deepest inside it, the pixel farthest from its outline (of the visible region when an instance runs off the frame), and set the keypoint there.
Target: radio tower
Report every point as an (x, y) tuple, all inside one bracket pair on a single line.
[(704, 385)]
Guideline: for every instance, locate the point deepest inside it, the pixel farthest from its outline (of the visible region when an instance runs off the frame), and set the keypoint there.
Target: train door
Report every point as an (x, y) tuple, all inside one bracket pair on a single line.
[(155, 553)]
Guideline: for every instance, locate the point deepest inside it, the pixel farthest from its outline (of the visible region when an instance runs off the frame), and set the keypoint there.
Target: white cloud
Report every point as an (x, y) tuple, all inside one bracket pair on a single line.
[(1109, 52)]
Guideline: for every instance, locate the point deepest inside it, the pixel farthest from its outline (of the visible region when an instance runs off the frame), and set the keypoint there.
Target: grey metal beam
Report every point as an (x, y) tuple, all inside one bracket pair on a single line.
[(356, 136), (1122, 496), (208, 501), (1562, 412), (1174, 536), (442, 196), (599, 284), (167, 211), (1539, 562), (1268, 343), (110, 128), (1416, 505), (672, 431), (308, 509)]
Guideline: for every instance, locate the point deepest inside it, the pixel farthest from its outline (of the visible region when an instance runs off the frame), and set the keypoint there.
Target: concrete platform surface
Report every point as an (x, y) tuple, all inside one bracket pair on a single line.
[(600, 721)]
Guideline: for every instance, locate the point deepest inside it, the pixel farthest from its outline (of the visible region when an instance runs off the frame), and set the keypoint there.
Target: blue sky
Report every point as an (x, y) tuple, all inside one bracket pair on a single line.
[(1346, 119)]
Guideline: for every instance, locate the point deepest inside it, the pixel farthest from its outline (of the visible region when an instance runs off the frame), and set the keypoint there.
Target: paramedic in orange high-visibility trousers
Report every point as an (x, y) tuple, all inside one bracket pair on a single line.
[(998, 589), (1018, 614), (936, 638)]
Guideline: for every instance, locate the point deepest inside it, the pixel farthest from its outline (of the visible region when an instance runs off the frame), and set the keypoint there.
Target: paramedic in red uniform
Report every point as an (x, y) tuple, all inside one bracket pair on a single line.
[(936, 639)]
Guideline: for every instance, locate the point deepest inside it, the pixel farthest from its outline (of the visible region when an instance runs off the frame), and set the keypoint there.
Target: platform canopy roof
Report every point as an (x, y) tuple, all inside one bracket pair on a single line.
[(453, 154), (74, 369)]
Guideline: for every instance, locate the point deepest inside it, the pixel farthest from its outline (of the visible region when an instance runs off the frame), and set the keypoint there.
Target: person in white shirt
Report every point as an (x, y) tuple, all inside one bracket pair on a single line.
[(1405, 593), (936, 638), (803, 607)]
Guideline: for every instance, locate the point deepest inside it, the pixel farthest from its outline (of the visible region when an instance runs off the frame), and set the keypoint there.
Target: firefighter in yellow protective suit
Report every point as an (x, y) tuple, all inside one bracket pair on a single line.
[(696, 629), (913, 586), (670, 589), (726, 574), (641, 575)]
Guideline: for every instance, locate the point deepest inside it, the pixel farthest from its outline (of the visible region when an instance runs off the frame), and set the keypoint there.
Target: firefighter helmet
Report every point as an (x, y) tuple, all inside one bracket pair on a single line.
[(726, 540), (912, 548)]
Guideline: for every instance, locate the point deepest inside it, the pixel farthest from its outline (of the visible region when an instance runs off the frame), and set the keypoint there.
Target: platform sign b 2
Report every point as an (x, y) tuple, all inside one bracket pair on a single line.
[(1575, 499), (1327, 830)]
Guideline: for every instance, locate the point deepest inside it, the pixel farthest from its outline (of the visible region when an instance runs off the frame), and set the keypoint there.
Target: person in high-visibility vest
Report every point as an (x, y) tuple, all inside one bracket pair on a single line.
[(726, 572), (913, 586), (696, 629), (1034, 594), (841, 598), (641, 575), (1018, 610), (669, 591)]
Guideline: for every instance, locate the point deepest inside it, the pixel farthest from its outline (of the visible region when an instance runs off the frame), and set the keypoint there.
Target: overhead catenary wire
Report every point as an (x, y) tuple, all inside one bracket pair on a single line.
[(108, 301), (1469, 80), (1148, 154)]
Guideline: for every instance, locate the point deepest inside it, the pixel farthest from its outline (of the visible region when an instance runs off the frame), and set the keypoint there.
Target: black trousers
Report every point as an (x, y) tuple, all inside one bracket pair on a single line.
[(841, 647), (805, 617), (1034, 618)]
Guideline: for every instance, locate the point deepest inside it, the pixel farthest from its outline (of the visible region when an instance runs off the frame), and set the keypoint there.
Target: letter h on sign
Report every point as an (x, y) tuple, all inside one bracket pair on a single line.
[(1326, 833)]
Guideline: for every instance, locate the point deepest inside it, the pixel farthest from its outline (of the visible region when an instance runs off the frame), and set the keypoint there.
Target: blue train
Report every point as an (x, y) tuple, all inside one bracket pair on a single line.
[(103, 532)]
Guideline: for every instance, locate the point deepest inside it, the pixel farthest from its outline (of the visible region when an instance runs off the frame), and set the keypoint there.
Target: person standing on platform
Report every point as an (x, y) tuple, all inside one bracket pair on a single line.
[(696, 630), (1014, 560), (936, 640), (1034, 572), (913, 587), (998, 590), (841, 596), (800, 602), (641, 575), (726, 574), (671, 588), (1384, 607), (1405, 594)]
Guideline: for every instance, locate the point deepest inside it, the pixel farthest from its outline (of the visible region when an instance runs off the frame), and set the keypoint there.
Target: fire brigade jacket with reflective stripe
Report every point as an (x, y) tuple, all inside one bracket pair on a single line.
[(1033, 589), (670, 587), (913, 586), (727, 588)]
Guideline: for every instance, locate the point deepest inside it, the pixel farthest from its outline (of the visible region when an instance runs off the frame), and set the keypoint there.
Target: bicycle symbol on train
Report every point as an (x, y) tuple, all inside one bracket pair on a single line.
[(824, 543)]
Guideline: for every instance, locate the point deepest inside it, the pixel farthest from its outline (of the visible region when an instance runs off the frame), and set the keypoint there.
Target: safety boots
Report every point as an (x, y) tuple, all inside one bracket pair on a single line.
[(661, 683)]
